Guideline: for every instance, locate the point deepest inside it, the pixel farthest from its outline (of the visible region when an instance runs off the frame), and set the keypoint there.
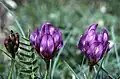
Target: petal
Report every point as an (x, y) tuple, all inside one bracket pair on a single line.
[(47, 46), (99, 38), (33, 38), (57, 38), (43, 44), (99, 52), (95, 51), (50, 45), (92, 27), (91, 36), (89, 53), (82, 43), (105, 35), (111, 44), (45, 28), (52, 30), (60, 45), (38, 40)]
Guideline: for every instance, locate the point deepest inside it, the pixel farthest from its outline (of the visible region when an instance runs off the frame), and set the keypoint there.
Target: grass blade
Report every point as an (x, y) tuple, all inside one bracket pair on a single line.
[(56, 60), (71, 69), (115, 46)]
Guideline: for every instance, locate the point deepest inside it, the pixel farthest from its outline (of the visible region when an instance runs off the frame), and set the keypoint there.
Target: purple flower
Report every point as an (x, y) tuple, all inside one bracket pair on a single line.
[(46, 40), (12, 43), (93, 44)]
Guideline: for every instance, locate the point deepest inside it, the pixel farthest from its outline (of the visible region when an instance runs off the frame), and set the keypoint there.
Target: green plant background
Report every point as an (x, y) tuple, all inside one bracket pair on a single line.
[(72, 17)]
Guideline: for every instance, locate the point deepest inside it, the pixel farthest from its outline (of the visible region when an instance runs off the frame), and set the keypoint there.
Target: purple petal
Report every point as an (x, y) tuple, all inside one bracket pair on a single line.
[(100, 39), (57, 36), (45, 28), (90, 54), (52, 30), (60, 45), (38, 40), (82, 43), (92, 27), (43, 44), (50, 45), (33, 37), (95, 51), (91, 36), (105, 36), (99, 52)]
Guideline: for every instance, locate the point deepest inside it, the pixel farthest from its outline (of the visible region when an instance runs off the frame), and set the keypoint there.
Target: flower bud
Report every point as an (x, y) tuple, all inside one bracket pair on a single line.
[(93, 44), (46, 40), (12, 43)]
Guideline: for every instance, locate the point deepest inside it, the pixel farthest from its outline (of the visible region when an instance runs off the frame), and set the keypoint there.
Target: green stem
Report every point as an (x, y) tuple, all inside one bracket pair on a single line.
[(11, 69), (46, 74), (32, 76), (47, 69), (50, 69), (90, 73)]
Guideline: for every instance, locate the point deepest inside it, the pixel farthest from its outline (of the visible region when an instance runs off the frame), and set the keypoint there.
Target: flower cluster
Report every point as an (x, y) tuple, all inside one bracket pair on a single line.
[(94, 44), (12, 43), (46, 40)]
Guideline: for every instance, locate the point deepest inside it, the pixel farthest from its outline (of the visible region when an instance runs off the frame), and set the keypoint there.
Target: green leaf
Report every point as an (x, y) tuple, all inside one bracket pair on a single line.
[(35, 69), (34, 61), (19, 57), (25, 39), (71, 69), (25, 55), (24, 44), (33, 56), (27, 72), (2, 67), (26, 62), (27, 50)]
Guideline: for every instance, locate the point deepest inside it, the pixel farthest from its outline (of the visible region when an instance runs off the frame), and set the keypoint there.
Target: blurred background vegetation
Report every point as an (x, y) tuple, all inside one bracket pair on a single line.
[(72, 17)]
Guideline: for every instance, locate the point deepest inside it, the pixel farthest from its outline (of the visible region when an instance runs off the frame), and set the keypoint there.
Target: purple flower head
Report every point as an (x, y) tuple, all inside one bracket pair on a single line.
[(46, 40), (93, 44)]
